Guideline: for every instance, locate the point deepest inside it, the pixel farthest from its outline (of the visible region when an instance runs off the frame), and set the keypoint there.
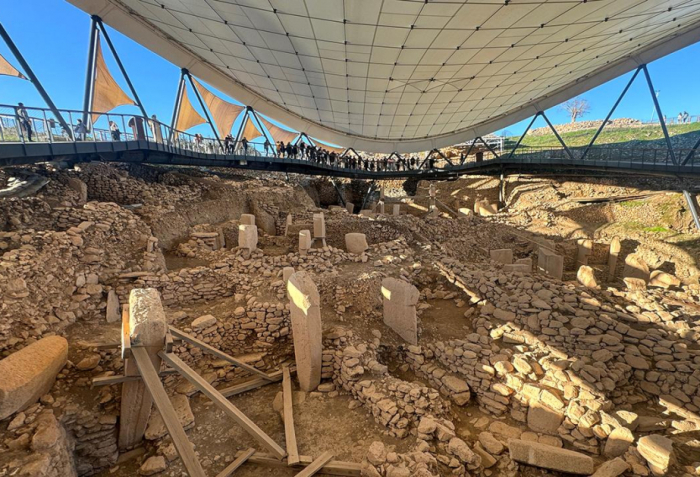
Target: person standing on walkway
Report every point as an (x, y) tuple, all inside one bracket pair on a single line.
[(267, 147), (24, 122), (80, 130), (114, 130), (244, 141)]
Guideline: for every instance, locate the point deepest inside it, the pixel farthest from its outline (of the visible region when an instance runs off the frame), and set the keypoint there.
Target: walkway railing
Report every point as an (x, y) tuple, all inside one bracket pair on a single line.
[(42, 127)]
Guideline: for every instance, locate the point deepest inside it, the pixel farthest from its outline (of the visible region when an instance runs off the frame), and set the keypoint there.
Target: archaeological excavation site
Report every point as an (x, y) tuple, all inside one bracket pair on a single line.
[(191, 321)]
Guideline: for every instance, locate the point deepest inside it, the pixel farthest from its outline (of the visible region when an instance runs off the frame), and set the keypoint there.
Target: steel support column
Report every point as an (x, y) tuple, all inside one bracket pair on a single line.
[(238, 137), (90, 73), (176, 109), (340, 195), (370, 191), (688, 197), (121, 66), (607, 118), (34, 80), (489, 147), (520, 140), (660, 114), (204, 108), (692, 206), (262, 129), (561, 141), (690, 154)]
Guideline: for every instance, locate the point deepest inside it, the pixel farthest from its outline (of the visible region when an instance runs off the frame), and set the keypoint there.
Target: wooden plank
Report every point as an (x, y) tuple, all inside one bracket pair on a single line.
[(316, 465), (251, 384), (109, 380), (160, 398), (218, 353), (289, 432), (334, 467), (240, 460), (224, 404)]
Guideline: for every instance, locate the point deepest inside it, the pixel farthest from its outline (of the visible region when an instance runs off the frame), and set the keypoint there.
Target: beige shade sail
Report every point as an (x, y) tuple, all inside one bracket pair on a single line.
[(106, 93), (278, 134), (250, 132), (187, 116), (337, 150), (222, 112), (8, 70)]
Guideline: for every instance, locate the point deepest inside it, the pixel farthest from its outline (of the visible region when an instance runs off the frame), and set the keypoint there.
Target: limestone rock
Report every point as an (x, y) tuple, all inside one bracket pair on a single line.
[(30, 373), (658, 452), (356, 243), (618, 442), (548, 457), (612, 468), (153, 465), (203, 322), (156, 426)]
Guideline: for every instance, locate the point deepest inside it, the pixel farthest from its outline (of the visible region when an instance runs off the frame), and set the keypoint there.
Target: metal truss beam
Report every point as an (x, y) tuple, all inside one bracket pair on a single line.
[(556, 133), (33, 79)]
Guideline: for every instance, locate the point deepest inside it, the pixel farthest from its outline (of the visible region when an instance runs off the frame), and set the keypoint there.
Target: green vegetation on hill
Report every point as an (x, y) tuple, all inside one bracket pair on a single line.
[(651, 136)]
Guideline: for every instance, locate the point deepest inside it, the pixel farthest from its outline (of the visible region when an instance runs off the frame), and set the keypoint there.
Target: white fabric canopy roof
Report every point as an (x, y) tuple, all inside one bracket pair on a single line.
[(404, 75)]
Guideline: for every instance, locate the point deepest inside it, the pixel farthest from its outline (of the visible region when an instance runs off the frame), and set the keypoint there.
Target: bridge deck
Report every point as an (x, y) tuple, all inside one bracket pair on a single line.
[(149, 152)]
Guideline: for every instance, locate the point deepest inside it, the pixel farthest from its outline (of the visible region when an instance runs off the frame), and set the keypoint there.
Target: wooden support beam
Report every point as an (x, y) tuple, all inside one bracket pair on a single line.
[(109, 380), (231, 468), (224, 404), (289, 433), (334, 467), (160, 398), (316, 465), (251, 384), (218, 353)]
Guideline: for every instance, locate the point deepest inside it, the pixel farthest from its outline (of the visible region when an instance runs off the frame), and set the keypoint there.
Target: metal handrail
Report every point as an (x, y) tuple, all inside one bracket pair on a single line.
[(129, 127)]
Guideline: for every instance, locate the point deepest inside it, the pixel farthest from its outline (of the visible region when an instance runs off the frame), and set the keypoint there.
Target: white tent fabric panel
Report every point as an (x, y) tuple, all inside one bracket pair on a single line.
[(383, 76)]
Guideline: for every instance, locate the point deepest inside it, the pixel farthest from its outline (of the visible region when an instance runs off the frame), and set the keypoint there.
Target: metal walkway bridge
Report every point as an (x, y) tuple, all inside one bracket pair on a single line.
[(151, 142)]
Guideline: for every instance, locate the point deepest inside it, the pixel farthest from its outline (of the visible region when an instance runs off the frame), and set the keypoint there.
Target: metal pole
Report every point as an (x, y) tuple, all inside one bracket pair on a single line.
[(90, 74), (342, 200), (489, 147), (262, 129), (121, 66), (660, 114), (176, 109), (561, 141), (690, 154), (240, 129), (690, 200), (369, 192), (607, 118), (201, 103), (517, 144), (32, 77)]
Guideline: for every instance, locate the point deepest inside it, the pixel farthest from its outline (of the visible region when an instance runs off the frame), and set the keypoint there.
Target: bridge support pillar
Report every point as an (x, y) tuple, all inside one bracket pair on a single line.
[(692, 206)]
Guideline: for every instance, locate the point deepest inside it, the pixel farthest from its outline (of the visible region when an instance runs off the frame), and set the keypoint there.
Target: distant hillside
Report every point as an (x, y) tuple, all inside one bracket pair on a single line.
[(683, 136)]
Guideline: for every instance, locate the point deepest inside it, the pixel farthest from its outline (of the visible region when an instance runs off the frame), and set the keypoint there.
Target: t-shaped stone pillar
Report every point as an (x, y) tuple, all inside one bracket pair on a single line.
[(320, 228), (248, 238), (247, 219), (400, 300), (304, 302), (304, 241), (144, 325)]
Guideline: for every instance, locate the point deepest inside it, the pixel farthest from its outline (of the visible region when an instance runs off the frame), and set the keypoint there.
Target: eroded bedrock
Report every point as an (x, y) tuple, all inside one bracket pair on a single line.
[(406, 335)]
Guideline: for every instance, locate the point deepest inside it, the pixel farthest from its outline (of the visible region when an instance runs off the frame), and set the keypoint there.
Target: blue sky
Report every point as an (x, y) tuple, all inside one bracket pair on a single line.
[(53, 37)]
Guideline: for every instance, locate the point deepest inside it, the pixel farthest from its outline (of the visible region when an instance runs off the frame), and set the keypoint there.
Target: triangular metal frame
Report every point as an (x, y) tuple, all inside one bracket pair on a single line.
[(301, 137), (187, 74), (34, 80), (96, 26)]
